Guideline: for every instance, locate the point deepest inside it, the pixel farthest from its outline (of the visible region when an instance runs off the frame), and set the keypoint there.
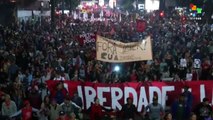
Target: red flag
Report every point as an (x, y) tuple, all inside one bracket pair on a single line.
[(141, 25)]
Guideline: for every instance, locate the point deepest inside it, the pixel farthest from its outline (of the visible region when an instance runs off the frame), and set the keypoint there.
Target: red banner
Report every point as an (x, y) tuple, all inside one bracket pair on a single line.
[(86, 38), (115, 95), (141, 25)]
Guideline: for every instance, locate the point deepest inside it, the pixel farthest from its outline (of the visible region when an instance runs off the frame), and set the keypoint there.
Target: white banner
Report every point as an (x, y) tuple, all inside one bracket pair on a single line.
[(108, 50)]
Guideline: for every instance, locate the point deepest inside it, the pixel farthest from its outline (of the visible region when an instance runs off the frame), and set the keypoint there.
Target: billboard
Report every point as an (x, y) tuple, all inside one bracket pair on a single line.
[(151, 5)]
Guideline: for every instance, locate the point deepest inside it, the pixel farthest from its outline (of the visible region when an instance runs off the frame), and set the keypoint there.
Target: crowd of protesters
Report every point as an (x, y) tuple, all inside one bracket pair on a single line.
[(31, 53)]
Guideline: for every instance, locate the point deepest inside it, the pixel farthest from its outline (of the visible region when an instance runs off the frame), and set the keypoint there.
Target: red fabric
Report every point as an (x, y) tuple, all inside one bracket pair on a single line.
[(194, 76), (27, 113), (96, 112), (141, 89)]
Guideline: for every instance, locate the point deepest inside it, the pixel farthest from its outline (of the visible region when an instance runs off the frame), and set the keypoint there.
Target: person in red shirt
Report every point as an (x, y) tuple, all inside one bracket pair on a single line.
[(97, 111), (26, 112)]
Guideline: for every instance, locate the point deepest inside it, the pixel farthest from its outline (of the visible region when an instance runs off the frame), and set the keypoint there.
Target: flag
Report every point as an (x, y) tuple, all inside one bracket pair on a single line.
[(141, 25)]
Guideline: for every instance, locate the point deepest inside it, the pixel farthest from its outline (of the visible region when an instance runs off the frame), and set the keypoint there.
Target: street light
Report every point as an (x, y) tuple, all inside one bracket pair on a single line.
[(42, 5)]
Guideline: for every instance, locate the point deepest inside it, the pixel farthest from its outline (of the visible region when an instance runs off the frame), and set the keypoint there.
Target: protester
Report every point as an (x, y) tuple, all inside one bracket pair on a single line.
[(96, 111), (155, 110), (54, 110), (188, 98), (8, 107), (180, 109), (78, 101), (129, 110), (44, 112), (69, 107), (203, 110), (193, 116), (60, 93), (63, 116), (168, 116), (26, 112), (34, 52)]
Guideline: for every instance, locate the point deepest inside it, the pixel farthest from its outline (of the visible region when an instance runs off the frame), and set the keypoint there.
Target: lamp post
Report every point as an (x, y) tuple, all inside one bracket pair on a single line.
[(52, 3), (63, 7), (42, 5)]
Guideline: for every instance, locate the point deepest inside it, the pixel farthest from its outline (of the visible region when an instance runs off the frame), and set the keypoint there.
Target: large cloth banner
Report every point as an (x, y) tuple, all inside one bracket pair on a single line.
[(86, 38), (108, 50), (115, 95)]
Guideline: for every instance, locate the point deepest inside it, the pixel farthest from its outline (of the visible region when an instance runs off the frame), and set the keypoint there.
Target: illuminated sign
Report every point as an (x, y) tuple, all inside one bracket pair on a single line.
[(195, 8)]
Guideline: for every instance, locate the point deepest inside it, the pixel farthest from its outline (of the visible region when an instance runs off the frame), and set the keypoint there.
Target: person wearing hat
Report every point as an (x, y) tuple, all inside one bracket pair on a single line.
[(26, 112), (203, 110), (155, 109)]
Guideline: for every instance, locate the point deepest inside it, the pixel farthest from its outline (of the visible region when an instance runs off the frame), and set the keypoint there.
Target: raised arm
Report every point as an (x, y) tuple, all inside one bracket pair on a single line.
[(35, 110), (16, 114)]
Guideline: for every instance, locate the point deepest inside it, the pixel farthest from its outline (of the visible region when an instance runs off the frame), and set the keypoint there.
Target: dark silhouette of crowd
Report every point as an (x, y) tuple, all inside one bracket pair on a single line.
[(31, 52)]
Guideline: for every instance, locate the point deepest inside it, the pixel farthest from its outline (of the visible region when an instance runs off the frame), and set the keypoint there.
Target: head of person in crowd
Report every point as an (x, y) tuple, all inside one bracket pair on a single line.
[(129, 100), (97, 101), (60, 85), (181, 98), (168, 116), (186, 89), (7, 98), (155, 100), (46, 100), (193, 116), (34, 89), (205, 101), (53, 102), (67, 99), (27, 104)]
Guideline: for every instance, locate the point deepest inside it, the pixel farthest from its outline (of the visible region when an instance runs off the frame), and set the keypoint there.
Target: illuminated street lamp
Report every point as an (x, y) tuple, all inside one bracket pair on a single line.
[(42, 5)]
